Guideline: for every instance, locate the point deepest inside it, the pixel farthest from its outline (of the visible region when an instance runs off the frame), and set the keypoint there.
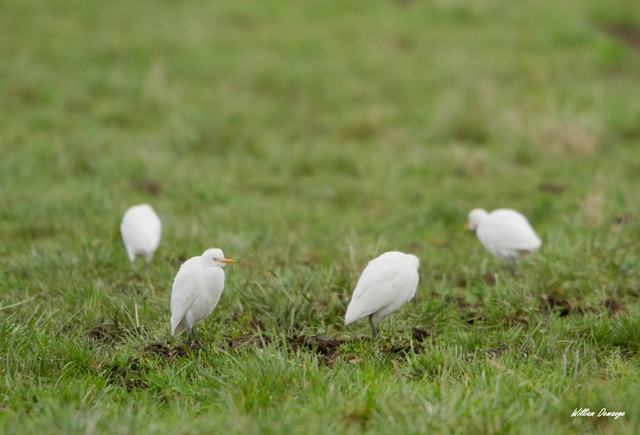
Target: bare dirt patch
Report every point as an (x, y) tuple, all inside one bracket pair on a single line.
[(131, 373), (493, 352), (152, 187), (419, 334), (474, 317), (614, 306), (624, 32), (328, 349), (623, 219), (108, 333), (551, 303), (489, 279), (459, 301), (128, 375), (166, 351), (496, 352), (257, 340), (552, 188)]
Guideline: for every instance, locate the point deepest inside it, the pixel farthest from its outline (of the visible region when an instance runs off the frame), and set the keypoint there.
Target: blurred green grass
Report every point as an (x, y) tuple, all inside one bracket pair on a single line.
[(304, 139)]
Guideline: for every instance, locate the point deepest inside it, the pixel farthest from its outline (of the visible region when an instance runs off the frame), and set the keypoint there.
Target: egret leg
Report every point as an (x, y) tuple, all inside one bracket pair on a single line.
[(192, 340), (513, 267), (373, 327), (132, 258), (147, 261)]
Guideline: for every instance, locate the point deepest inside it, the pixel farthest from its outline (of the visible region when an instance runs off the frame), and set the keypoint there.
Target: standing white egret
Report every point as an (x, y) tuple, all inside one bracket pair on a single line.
[(386, 283), (140, 230), (196, 291), (505, 233)]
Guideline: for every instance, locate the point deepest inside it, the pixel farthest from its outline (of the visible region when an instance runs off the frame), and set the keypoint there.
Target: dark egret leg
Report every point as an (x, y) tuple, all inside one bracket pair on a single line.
[(513, 267), (373, 327), (147, 261), (192, 340)]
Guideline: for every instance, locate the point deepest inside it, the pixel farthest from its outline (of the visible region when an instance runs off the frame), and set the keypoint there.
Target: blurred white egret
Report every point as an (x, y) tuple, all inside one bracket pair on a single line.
[(505, 233), (196, 291), (140, 230), (386, 283)]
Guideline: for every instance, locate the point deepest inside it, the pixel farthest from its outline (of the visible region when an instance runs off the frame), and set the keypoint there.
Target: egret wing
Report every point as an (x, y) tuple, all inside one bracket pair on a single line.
[(381, 285), (183, 295), (513, 233)]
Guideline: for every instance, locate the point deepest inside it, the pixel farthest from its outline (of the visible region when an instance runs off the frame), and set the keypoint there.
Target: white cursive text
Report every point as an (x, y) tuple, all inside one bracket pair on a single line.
[(586, 412)]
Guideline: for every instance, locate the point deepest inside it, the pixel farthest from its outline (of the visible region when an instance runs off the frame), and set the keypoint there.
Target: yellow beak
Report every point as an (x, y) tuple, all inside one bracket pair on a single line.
[(225, 260), (466, 227)]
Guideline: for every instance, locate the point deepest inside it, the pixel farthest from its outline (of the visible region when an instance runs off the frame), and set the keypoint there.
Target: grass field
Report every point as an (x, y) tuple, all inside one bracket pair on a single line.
[(305, 138)]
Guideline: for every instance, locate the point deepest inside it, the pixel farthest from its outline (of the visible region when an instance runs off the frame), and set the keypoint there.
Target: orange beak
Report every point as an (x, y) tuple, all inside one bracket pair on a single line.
[(226, 260), (466, 227)]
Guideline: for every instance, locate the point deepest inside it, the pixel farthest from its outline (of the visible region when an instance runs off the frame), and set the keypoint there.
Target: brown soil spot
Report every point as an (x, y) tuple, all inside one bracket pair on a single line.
[(327, 349), (250, 340), (165, 351), (614, 307), (551, 303), (320, 344), (489, 278), (457, 300), (107, 333), (626, 33), (151, 187), (624, 218), (129, 375), (474, 317), (496, 352), (419, 334), (553, 188)]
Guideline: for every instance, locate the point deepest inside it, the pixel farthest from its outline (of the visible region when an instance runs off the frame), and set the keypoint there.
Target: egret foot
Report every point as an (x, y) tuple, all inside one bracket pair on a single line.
[(192, 340)]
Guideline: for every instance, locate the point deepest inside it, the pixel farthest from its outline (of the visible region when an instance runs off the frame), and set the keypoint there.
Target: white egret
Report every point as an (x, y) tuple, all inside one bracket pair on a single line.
[(140, 230), (386, 283), (505, 233), (196, 291)]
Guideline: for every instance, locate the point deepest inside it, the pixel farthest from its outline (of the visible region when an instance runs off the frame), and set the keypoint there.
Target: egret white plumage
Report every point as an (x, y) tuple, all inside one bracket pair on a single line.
[(140, 230), (196, 291), (386, 283), (505, 233)]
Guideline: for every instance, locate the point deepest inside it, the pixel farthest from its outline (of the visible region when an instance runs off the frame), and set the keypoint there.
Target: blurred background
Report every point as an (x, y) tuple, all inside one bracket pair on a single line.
[(295, 126)]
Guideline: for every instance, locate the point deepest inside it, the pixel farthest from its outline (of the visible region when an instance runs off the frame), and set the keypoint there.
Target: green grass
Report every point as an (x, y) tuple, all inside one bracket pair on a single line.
[(305, 138)]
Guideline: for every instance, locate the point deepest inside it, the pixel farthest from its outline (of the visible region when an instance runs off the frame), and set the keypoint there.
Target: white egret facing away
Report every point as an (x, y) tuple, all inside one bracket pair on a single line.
[(196, 291), (386, 283), (140, 230), (505, 233)]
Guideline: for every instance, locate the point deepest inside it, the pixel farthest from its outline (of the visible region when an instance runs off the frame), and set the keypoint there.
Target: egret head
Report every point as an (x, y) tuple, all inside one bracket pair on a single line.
[(216, 256), (476, 216)]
